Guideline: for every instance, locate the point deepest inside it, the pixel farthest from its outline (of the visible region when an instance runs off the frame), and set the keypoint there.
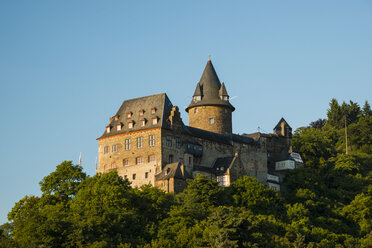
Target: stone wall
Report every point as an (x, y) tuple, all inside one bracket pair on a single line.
[(199, 118), (251, 161), (114, 160)]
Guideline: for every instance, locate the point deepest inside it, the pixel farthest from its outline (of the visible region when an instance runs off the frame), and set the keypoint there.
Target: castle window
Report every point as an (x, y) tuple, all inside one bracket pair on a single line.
[(168, 140), (118, 127), (153, 110), (142, 123), (113, 166), (189, 160), (108, 129), (211, 120), (225, 111), (197, 98), (127, 144), (196, 110), (134, 176), (129, 115), (139, 142), (223, 181), (225, 98), (125, 162), (154, 121), (125, 176), (141, 112), (106, 150), (170, 158), (151, 158), (151, 140), (146, 174), (178, 142), (114, 148), (139, 160), (116, 117), (130, 124)]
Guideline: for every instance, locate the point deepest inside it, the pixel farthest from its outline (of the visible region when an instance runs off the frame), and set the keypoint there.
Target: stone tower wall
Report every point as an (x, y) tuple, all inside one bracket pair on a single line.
[(199, 117)]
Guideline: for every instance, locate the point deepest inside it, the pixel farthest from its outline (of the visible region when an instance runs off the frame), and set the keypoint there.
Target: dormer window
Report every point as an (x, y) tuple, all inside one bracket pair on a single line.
[(108, 129), (153, 110), (130, 125), (197, 98), (154, 121), (142, 123), (118, 127), (116, 117), (141, 112), (129, 115), (225, 98)]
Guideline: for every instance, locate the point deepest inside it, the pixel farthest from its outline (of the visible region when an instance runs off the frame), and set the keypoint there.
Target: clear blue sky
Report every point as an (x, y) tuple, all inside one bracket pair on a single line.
[(66, 67)]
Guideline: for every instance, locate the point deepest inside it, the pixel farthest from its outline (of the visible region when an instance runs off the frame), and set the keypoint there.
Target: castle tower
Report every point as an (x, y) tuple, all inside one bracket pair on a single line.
[(210, 108), (283, 129)]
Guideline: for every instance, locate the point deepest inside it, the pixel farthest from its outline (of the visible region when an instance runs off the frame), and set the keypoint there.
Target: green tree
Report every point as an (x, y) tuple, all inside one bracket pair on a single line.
[(64, 181), (366, 109), (316, 146), (103, 211), (249, 193), (335, 114), (360, 212), (6, 239)]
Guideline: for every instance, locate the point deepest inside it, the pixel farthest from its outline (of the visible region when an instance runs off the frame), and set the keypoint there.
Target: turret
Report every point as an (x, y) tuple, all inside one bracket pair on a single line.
[(210, 108), (283, 129)]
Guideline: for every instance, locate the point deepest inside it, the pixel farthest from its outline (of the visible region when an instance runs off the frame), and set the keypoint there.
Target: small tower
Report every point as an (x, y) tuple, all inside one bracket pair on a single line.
[(210, 108), (283, 129)]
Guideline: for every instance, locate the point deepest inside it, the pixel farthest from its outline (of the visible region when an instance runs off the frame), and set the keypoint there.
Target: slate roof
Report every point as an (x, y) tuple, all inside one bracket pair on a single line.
[(219, 167), (209, 87), (223, 91), (227, 139), (160, 102), (172, 170), (282, 120)]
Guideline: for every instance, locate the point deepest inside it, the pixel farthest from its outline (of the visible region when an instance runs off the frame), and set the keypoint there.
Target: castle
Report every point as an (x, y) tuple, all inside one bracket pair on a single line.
[(147, 142)]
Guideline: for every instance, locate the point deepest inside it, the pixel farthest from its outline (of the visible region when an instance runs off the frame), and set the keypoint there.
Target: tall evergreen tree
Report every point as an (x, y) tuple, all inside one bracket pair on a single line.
[(366, 109), (334, 113)]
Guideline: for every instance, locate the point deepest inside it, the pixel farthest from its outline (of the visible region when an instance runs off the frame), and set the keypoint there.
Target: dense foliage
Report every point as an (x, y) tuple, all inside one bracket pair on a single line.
[(328, 203)]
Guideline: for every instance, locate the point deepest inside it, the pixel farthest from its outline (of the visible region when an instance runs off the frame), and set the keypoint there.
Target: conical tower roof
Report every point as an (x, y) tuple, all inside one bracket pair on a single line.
[(223, 91), (209, 82), (197, 91), (210, 89)]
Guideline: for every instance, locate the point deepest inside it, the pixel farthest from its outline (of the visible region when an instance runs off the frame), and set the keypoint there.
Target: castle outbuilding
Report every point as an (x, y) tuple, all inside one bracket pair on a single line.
[(146, 141)]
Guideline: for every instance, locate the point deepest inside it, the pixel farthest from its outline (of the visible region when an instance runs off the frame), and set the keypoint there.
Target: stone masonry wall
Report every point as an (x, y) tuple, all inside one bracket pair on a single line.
[(221, 116), (114, 160)]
